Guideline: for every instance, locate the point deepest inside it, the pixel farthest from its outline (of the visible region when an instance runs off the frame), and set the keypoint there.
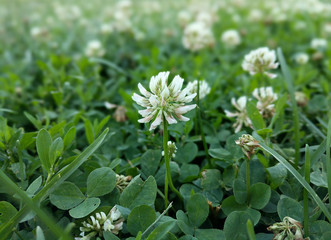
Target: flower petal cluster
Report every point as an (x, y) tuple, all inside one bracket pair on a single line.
[(198, 36), (319, 43), (122, 181), (164, 101), (231, 38), (301, 58), (204, 88), (94, 49), (96, 225), (259, 61), (241, 115), (266, 98), (289, 228)]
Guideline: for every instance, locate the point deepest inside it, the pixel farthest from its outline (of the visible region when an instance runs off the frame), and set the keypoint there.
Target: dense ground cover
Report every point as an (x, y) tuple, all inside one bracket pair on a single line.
[(165, 120)]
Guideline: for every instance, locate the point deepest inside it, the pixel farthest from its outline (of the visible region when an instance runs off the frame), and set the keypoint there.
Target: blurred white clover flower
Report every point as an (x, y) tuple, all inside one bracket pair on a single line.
[(260, 60), (164, 101), (301, 58), (106, 28), (184, 17), (266, 98), (241, 116), (231, 38), (204, 88), (172, 149), (197, 36), (95, 226), (94, 49), (38, 32), (319, 43)]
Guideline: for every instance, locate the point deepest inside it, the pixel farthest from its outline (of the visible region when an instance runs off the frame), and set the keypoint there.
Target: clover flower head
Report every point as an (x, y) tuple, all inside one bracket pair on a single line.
[(38, 32), (183, 18), (172, 149), (198, 36), (319, 43), (266, 98), (301, 58), (122, 181), (96, 225), (106, 28), (301, 99), (204, 88), (259, 61), (164, 101), (289, 228), (241, 116), (248, 144), (231, 38), (94, 49)]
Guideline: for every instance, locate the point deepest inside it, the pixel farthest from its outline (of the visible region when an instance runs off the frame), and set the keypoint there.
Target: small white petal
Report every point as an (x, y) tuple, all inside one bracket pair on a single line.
[(184, 109), (170, 119), (157, 121), (144, 91)]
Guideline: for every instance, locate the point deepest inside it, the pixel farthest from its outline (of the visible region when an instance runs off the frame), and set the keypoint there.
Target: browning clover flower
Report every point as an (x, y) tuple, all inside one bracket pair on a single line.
[(95, 226), (122, 181), (260, 60), (204, 88), (248, 144), (241, 115), (289, 228), (164, 101), (266, 98)]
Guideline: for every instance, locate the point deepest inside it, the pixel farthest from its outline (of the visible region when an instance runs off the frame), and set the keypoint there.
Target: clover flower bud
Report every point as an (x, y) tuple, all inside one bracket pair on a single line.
[(172, 149), (248, 144), (259, 61), (122, 181), (301, 99), (319, 43)]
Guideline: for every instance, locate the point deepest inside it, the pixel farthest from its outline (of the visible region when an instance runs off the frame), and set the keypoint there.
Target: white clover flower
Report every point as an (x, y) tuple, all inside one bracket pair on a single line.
[(94, 49), (260, 60), (255, 15), (205, 17), (301, 58), (172, 149), (266, 98), (164, 101), (38, 32), (319, 43), (95, 226), (197, 36), (183, 18), (241, 116), (106, 29), (231, 38), (204, 88)]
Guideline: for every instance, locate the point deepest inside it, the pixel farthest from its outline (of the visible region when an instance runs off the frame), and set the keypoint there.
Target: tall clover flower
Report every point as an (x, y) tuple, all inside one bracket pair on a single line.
[(259, 61), (164, 102), (241, 115), (266, 98)]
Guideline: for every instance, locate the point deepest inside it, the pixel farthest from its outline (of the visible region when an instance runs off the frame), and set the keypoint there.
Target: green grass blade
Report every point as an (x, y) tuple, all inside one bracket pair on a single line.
[(315, 130), (289, 84), (297, 175), (305, 193), (59, 178), (328, 158), (11, 186), (250, 230)]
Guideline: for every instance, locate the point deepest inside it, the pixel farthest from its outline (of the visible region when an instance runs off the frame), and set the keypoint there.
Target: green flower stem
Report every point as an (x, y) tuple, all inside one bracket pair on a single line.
[(198, 115), (247, 177), (305, 193), (167, 163)]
